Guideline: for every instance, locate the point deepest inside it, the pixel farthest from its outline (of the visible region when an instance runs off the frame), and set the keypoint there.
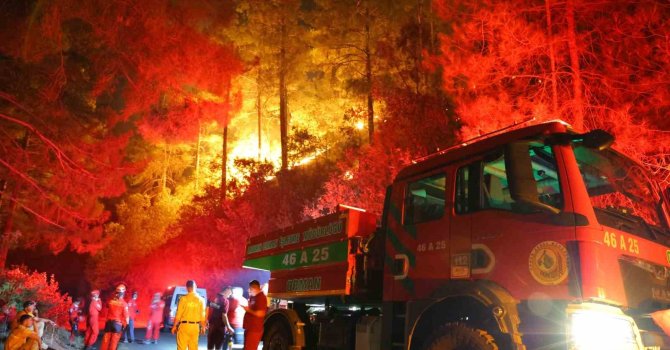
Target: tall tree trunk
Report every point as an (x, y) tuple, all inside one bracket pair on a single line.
[(224, 163), (419, 46), (577, 98), (552, 59), (368, 75), (283, 97), (198, 145), (258, 110), (224, 148), (7, 225), (419, 61), (431, 17)]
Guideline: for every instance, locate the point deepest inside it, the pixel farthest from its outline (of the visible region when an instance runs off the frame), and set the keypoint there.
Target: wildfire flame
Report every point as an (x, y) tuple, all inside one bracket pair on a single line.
[(360, 125)]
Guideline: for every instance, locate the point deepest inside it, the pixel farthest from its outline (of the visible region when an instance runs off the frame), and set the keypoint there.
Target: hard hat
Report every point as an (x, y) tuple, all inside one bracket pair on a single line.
[(95, 293)]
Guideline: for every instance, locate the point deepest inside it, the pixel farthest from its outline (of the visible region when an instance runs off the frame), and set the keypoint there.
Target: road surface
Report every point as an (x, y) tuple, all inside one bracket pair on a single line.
[(167, 341)]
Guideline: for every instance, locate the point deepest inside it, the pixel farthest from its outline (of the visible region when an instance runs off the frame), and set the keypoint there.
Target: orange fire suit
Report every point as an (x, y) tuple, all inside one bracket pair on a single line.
[(92, 323), (31, 344), (190, 319), (117, 318), (15, 320), (155, 319), (20, 339)]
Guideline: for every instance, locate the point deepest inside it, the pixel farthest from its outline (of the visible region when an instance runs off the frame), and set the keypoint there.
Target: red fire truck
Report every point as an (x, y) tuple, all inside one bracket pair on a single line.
[(535, 237)]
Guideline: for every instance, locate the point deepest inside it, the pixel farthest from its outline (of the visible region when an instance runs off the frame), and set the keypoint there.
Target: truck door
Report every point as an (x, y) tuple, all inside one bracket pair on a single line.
[(462, 253), (518, 247), (421, 245)]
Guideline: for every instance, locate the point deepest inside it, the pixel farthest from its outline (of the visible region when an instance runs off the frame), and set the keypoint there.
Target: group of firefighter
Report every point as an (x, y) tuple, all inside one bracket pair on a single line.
[(193, 317), (26, 329), (224, 321), (120, 319)]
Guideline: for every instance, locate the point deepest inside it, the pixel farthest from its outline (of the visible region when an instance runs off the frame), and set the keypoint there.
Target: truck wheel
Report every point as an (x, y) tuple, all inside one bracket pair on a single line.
[(277, 337), (456, 336)]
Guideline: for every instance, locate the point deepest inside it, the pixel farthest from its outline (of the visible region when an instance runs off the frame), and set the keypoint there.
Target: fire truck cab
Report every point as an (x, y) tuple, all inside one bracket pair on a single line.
[(531, 238)]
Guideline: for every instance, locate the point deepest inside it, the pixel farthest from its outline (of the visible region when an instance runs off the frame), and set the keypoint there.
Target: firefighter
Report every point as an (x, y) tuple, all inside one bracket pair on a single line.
[(28, 309), (133, 311), (220, 330), (74, 313), (117, 319), (254, 316), (190, 316), (92, 322), (155, 319), (22, 336), (236, 314)]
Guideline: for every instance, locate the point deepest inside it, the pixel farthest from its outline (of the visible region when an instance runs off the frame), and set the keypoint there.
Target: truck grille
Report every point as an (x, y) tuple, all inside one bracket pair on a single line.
[(647, 287)]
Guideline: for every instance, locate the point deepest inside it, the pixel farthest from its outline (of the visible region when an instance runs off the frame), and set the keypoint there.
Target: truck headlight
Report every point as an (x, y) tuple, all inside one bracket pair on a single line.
[(601, 327)]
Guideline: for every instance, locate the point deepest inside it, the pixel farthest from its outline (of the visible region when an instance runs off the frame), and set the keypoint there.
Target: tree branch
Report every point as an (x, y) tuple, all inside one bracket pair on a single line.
[(42, 192), (36, 214), (63, 159)]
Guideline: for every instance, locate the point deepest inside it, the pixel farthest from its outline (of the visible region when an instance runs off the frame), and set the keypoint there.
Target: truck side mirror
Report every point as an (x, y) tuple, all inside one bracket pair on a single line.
[(521, 182), (595, 139), (598, 139)]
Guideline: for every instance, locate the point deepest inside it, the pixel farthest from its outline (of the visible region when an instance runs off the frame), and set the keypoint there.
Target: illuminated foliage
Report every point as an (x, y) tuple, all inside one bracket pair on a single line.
[(113, 113), (60, 152), (414, 126), (19, 284), (517, 67), (78, 85), (142, 226)]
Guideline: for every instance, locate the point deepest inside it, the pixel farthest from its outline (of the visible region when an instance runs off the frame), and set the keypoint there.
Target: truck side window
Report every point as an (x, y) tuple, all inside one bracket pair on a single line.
[(494, 192), (483, 184), (425, 199)]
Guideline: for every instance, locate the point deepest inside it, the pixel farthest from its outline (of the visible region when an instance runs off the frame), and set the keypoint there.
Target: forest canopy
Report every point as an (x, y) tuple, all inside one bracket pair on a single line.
[(134, 131)]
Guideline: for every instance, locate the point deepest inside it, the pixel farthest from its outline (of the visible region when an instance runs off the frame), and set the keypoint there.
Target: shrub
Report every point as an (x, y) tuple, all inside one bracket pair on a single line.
[(19, 284)]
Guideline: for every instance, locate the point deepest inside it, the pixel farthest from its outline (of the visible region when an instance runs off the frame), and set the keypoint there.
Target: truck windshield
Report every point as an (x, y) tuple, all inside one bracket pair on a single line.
[(620, 191)]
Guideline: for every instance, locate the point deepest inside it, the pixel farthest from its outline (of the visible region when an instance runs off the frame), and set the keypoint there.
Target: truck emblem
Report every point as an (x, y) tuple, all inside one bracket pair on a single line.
[(548, 263), (667, 256)]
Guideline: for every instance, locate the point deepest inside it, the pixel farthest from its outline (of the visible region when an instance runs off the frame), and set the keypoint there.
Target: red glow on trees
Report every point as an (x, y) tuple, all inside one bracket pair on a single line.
[(113, 115), (94, 66), (596, 65)]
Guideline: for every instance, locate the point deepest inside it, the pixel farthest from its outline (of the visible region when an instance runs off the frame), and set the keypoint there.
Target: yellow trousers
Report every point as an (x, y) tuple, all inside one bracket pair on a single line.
[(187, 336)]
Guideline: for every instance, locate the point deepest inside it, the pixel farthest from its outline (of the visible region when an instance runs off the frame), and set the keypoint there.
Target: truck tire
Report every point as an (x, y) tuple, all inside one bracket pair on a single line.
[(457, 336), (277, 337)]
